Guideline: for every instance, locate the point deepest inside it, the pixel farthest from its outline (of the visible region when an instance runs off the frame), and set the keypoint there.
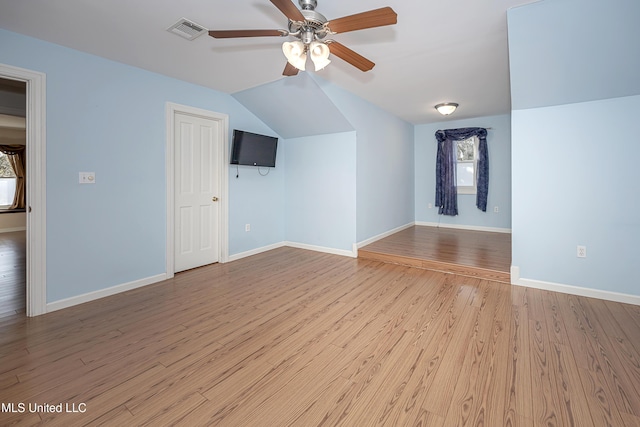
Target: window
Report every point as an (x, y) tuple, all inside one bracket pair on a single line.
[(462, 166), (467, 165), (7, 182)]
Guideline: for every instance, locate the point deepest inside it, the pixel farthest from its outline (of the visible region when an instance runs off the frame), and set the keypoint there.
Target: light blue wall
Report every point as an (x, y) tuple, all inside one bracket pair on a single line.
[(567, 51), (575, 182), (109, 118), (320, 190), (385, 167), (574, 168), (256, 198), (499, 147), (385, 170), (289, 106)]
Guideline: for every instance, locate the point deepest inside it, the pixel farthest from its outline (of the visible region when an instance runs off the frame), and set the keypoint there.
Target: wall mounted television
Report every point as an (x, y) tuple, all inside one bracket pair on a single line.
[(252, 149)]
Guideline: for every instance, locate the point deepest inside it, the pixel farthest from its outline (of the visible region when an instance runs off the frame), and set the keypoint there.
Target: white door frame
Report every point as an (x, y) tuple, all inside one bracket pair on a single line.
[(223, 175), (35, 185)]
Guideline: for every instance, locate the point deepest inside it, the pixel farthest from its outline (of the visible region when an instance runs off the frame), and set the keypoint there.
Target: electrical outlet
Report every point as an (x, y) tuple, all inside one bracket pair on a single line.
[(430, 206), (582, 251), (496, 209), (247, 227)]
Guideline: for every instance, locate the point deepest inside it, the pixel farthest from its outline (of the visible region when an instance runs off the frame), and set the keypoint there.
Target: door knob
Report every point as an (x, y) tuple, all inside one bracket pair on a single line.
[(214, 199)]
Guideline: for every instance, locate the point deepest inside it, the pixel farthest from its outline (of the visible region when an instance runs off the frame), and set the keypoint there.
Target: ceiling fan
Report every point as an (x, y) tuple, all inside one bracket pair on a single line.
[(310, 28)]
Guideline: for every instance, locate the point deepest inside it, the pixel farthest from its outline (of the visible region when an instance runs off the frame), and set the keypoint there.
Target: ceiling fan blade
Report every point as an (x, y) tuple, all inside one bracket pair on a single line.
[(360, 21), (228, 34), (288, 9), (353, 58), (289, 70)]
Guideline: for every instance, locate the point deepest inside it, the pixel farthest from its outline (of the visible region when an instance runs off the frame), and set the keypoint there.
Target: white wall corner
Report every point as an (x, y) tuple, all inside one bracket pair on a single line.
[(383, 235), (255, 251), (515, 274), (323, 249)]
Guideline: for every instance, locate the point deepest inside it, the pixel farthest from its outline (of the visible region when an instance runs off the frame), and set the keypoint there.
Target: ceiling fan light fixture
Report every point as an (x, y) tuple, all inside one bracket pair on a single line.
[(309, 26), (319, 55), (446, 108), (295, 54)]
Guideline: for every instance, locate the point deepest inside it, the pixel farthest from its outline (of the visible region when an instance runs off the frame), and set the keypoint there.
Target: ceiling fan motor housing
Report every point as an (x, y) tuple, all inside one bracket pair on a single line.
[(311, 29), (307, 4), (307, 36)]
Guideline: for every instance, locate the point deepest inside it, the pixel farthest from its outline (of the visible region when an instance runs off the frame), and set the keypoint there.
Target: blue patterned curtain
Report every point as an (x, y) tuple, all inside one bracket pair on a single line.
[(446, 192)]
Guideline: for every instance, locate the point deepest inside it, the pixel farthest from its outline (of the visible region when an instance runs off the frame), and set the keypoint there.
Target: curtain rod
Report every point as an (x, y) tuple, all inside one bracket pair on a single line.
[(486, 128)]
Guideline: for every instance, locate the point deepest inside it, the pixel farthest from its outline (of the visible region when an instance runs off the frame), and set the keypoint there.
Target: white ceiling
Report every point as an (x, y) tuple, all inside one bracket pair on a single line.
[(447, 50)]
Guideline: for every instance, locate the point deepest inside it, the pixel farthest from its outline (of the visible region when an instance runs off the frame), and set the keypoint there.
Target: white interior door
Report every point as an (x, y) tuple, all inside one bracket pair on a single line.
[(197, 188)]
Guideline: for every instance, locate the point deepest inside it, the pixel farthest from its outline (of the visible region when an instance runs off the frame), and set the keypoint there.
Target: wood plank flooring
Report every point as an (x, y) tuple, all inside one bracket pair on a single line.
[(296, 338), (13, 271), (471, 253)]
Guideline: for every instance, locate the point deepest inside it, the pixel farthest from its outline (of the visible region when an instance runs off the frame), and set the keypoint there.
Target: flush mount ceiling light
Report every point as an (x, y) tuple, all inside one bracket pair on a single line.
[(446, 108)]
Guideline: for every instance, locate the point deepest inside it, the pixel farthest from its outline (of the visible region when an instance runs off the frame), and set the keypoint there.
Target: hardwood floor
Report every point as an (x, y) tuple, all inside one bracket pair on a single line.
[(480, 254), (293, 337), (13, 270)]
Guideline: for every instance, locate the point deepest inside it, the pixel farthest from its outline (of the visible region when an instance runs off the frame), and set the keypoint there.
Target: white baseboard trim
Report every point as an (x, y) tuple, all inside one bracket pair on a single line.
[(343, 252), (385, 234), (255, 251), (352, 254), (572, 290), (91, 296), (12, 229), (465, 227)]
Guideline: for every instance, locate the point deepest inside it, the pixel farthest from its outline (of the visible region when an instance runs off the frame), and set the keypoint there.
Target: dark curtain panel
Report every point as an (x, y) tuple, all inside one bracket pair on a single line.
[(446, 193), (483, 173)]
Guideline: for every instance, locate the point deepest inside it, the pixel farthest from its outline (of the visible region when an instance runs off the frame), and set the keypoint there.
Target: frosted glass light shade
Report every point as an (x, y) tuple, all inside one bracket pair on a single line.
[(319, 55), (446, 108), (295, 54)]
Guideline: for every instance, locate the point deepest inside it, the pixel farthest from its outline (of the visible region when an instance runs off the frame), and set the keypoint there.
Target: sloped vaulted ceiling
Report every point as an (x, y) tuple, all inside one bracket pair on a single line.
[(294, 107), (438, 51)]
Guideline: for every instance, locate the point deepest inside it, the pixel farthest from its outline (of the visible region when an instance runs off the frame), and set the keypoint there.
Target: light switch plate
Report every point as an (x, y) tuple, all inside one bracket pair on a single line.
[(87, 177)]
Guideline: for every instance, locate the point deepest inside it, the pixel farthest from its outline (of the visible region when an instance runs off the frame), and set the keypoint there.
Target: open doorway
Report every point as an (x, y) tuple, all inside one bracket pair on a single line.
[(35, 184), (13, 222)]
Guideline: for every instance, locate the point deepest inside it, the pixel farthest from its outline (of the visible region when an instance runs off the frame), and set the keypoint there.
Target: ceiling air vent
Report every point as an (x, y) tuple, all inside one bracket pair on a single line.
[(187, 29)]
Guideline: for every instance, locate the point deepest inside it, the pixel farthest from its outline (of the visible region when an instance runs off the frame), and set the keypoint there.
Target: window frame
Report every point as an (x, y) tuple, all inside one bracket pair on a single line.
[(6, 207), (468, 189)]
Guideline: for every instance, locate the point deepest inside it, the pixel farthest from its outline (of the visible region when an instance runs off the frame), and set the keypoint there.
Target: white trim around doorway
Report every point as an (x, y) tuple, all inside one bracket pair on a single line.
[(223, 167), (36, 303)]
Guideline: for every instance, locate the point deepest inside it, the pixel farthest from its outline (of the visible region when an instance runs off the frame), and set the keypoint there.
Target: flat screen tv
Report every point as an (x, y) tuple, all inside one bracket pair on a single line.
[(252, 149)]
